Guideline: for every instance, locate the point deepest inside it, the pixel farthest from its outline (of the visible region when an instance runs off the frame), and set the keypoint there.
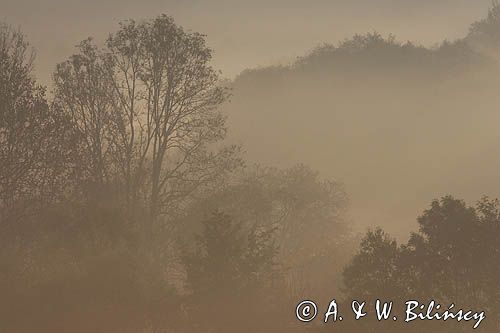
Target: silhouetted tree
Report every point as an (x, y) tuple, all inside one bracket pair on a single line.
[(146, 105), (454, 258), (373, 270)]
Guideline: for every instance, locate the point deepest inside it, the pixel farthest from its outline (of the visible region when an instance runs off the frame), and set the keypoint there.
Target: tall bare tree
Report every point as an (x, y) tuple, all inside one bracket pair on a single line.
[(82, 92), (147, 104)]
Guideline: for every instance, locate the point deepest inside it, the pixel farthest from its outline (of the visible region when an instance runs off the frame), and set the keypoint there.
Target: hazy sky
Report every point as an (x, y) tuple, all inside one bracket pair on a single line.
[(242, 33)]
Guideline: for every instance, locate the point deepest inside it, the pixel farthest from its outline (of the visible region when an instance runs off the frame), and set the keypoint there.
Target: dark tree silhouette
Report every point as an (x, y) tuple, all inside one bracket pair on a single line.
[(454, 258), (146, 106)]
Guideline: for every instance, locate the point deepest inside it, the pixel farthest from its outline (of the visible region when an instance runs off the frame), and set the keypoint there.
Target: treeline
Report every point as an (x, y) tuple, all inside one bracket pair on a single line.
[(374, 53), (453, 259)]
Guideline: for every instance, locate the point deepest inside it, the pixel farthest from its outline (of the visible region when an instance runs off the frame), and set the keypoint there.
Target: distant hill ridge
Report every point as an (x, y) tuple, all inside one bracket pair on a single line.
[(372, 50)]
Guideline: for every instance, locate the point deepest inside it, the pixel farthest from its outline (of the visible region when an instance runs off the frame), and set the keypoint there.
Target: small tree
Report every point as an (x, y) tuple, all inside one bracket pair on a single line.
[(230, 271), (372, 272), (484, 34)]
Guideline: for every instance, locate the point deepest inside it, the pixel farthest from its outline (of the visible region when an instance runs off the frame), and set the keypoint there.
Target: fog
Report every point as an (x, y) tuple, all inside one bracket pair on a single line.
[(398, 125), (195, 166)]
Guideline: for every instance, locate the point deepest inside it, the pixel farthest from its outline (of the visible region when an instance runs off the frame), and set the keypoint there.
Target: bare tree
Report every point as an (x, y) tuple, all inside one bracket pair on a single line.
[(147, 105), (82, 92)]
